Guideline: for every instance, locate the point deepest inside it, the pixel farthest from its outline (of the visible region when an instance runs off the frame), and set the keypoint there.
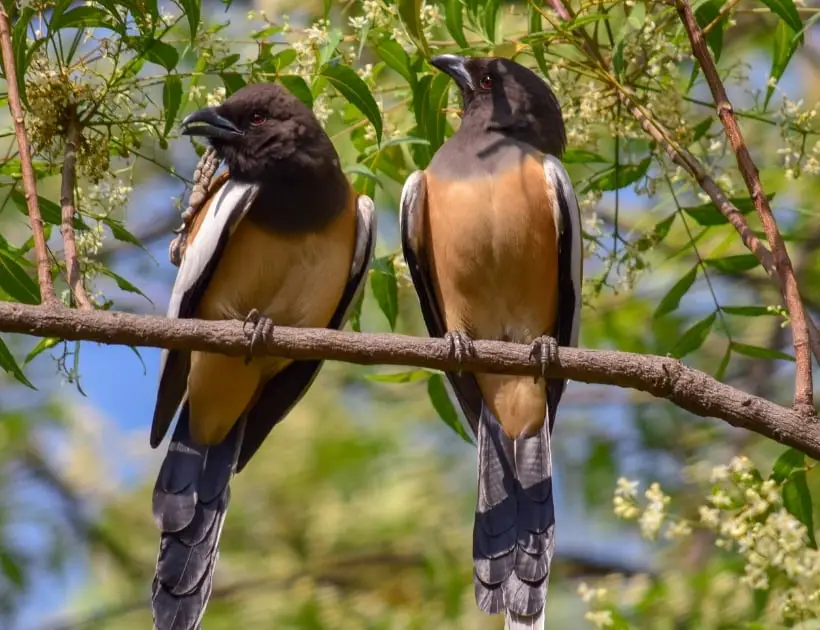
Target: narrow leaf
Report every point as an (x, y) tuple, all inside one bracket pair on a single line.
[(124, 284), (705, 15), (350, 85), (579, 156), (760, 353), (437, 121), (693, 338), (44, 344), (191, 8), (171, 99), (454, 20), (708, 214), (733, 264), (628, 174), (671, 300), (296, 85), (797, 500), (411, 376), (747, 311), (724, 363), (15, 282), (786, 11), (160, 53), (789, 461), (410, 13), (9, 364), (391, 52), (444, 406), (385, 288), (783, 48)]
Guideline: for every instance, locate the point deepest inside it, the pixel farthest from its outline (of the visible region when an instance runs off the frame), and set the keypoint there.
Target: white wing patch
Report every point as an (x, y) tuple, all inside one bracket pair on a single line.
[(223, 214), (413, 193), (366, 228), (556, 174)]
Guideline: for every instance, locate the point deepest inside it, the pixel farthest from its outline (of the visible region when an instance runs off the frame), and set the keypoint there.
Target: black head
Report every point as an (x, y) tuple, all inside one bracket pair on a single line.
[(502, 95), (263, 129)]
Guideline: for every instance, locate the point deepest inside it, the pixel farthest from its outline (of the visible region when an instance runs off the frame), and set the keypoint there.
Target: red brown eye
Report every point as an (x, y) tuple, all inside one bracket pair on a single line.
[(257, 118), (486, 82)]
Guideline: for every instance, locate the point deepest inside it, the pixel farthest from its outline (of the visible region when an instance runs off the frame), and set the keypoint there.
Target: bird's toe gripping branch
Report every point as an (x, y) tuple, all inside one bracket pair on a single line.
[(543, 353), (461, 346), (261, 328)]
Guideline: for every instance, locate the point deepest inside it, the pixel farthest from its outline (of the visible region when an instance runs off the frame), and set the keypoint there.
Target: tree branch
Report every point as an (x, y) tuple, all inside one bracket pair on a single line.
[(47, 295), (663, 377), (69, 179), (782, 263)]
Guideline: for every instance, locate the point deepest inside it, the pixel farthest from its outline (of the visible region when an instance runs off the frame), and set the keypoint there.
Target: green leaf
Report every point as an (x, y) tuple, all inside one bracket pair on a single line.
[(171, 99), (747, 311), (119, 232), (44, 344), (671, 300), (296, 85), (707, 214), (797, 500), (760, 353), (693, 338), (160, 53), (233, 81), (724, 363), (454, 20), (410, 14), (50, 212), (787, 11), (579, 156), (124, 284), (490, 18), (628, 174), (444, 406), (391, 52), (601, 468), (191, 8), (733, 264), (385, 288), (16, 283), (411, 376), (9, 364), (349, 85), (701, 129), (783, 48), (80, 17), (437, 120), (705, 15), (790, 460)]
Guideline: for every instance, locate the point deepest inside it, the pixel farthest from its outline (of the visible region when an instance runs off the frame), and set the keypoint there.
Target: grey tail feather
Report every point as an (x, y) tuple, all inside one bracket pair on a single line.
[(513, 535), (191, 497), (513, 621)]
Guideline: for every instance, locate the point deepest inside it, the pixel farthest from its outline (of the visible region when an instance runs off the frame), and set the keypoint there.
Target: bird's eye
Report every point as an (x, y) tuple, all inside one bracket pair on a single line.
[(257, 118), (486, 82)]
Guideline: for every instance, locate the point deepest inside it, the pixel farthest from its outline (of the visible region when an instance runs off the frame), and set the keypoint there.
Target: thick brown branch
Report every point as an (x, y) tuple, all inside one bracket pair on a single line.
[(47, 295), (72, 265), (662, 377), (782, 263)]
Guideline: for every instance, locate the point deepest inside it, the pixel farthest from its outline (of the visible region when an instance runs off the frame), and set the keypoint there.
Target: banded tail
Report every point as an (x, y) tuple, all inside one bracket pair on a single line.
[(191, 498), (513, 535)]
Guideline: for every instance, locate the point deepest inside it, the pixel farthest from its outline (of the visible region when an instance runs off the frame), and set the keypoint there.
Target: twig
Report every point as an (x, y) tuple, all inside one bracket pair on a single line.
[(721, 14), (688, 162), (72, 266), (47, 295), (663, 377), (782, 263)]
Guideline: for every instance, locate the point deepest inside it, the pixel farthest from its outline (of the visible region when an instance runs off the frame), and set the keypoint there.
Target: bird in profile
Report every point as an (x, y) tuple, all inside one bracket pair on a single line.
[(491, 235), (282, 239)]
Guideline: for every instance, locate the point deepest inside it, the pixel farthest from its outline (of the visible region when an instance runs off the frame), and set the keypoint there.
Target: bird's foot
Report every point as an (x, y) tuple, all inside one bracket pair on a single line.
[(461, 346), (543, 353), (262, 328)]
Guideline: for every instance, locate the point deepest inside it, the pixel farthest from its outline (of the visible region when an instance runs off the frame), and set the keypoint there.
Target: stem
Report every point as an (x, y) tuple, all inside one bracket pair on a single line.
[(72, 266), (47, 295)]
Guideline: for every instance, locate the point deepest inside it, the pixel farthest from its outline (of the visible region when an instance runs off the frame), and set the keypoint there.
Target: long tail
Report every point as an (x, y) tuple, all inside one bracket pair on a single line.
[(191, 497), (513, 540)]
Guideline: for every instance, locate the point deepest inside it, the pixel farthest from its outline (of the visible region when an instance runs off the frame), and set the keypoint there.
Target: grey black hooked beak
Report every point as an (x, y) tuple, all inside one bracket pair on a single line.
[(206, 122), (456, 67)]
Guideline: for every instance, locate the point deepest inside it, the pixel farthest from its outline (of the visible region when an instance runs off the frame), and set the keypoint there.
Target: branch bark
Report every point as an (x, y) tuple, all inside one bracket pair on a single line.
[(782, 263), (663, 377), (47, 295), (69, 180)]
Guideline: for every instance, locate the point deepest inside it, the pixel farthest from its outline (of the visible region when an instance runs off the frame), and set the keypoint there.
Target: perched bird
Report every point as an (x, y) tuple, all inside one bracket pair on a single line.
[(282, 239), (491, 235)]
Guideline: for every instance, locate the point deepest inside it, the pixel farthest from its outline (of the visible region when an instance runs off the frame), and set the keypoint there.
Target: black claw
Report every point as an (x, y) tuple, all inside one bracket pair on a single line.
[(262, 329), (543, 352), (461, 346)]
